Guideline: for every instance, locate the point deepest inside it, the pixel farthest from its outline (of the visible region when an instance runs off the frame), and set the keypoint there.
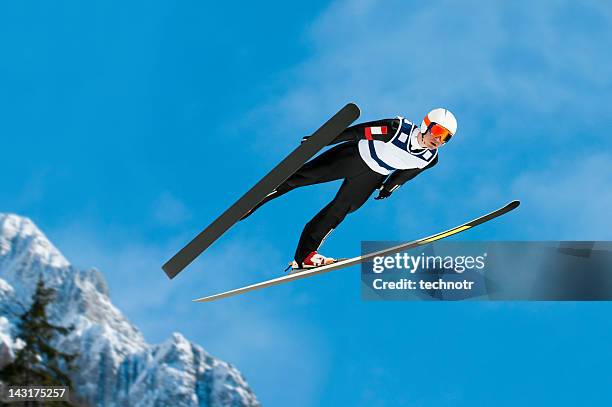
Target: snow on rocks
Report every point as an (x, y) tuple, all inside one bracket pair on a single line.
[(116, 366)]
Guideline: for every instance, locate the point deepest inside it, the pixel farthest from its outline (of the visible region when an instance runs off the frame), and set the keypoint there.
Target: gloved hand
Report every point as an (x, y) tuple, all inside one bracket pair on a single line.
[(383, 193)]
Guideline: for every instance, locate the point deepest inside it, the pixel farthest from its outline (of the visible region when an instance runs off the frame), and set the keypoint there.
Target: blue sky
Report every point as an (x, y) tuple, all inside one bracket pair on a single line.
[(126, 128)]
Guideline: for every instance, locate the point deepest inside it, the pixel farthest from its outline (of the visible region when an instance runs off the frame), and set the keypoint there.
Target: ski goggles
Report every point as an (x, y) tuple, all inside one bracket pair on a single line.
[(440, 132)]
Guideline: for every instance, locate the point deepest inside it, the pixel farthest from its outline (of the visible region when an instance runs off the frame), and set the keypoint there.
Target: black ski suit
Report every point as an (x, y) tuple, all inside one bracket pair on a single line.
[(341, 162)]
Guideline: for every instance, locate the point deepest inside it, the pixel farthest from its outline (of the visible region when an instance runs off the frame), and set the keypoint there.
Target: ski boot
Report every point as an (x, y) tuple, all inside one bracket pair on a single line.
[(311, 261)]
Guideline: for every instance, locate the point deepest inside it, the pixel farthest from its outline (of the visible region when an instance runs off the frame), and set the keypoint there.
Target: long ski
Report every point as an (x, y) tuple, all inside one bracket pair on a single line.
[(360, 259), (308, 149)]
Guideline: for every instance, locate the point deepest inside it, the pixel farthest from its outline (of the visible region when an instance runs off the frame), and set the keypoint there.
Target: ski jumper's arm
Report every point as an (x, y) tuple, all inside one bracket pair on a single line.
[(358, 131), (399, 177)]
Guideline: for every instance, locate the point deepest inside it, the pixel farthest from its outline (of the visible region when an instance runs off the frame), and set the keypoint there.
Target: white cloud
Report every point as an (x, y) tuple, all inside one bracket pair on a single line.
[(397, 57)]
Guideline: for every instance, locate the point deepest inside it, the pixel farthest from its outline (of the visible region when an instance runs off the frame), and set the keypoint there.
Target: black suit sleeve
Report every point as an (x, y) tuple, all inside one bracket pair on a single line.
[(399, 177), (357, 132)]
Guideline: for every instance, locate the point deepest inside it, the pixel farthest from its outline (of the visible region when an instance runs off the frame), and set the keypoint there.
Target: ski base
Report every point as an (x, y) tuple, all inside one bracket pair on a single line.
[(303, 273)]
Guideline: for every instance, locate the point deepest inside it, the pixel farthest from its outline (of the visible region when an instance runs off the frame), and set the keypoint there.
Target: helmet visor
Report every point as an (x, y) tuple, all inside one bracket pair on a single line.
[(440, 132)]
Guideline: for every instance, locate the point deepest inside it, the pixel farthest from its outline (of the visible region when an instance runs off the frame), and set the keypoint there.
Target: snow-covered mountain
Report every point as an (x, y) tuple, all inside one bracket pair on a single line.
[(116, 366)]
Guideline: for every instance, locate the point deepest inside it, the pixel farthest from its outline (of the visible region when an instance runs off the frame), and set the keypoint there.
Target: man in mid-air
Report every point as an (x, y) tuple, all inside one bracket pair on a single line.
[(381, 154)]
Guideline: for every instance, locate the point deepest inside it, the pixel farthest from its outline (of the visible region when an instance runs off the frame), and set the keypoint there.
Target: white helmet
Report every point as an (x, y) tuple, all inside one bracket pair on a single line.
[(441, 117)]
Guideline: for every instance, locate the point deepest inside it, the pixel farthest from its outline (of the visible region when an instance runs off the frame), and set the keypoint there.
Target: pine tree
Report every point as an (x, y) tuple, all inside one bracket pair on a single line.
[(38, 362)]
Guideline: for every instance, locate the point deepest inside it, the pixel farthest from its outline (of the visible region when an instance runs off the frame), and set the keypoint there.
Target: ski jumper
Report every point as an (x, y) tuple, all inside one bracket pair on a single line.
[(370, 153)]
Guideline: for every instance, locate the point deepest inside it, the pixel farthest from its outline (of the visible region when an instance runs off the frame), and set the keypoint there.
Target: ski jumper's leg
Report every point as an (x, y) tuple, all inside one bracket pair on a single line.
[(335, 163), (353, 193)]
